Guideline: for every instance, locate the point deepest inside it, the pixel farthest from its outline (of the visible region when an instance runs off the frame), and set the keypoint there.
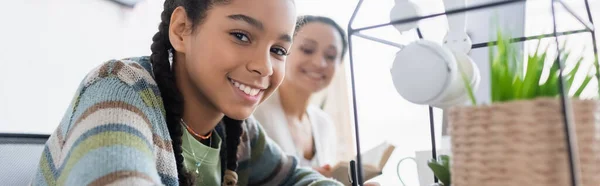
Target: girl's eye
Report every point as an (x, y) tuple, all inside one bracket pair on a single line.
[(279, 51), (241, 37)]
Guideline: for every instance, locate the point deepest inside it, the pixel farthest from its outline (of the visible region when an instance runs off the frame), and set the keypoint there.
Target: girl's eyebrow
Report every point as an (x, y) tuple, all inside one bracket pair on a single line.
[(251, 21), (258, 25)]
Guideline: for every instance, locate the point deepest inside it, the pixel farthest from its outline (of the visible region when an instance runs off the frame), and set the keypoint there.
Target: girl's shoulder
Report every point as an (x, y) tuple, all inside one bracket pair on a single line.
[(128, 70), (115, 116), (128, 81), (123, 84)]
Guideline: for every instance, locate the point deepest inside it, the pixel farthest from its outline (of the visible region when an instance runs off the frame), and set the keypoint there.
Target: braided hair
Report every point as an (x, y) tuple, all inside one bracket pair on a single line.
[(172, 98)]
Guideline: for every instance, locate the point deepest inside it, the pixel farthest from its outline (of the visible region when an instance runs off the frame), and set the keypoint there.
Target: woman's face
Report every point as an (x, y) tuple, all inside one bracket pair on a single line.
[(315, 55), (235, 58)]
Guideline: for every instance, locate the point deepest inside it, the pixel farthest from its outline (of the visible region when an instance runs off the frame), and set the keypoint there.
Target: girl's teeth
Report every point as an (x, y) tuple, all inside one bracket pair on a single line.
[(246, 89), (314, 75), (254, 92)]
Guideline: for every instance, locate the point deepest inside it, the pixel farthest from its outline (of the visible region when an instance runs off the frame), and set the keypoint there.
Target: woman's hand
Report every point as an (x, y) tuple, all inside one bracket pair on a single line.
[(324, 170)]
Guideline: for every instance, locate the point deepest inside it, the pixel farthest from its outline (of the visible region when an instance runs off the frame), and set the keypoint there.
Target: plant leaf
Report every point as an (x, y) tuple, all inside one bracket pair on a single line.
[(518, 87), (532, 76), (586, 81), (549, 88), (597, 66), (445, 161), (570, 77), (467, 85), (440, 172)]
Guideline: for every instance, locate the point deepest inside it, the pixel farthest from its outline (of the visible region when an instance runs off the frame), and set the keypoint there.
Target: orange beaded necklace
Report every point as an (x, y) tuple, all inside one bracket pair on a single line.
[(194, 133)]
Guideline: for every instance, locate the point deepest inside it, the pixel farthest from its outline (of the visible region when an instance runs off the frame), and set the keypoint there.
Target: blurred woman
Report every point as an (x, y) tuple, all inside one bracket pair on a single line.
[(301, 129)]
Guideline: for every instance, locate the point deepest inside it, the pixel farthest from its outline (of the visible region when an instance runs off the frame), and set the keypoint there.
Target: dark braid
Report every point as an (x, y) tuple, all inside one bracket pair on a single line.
[(233, 132), (165, 77), (303, 20)]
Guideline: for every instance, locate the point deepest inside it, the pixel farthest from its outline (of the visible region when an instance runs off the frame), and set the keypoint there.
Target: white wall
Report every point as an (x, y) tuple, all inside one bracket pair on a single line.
[(51, 45), (48, 47)]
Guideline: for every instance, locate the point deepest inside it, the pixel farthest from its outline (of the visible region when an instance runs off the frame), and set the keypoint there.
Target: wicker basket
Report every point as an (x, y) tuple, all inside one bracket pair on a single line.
[(523, 143)]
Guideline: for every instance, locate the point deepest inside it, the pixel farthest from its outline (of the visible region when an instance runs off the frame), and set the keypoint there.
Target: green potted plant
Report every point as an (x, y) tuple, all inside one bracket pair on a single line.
[(519, 138)]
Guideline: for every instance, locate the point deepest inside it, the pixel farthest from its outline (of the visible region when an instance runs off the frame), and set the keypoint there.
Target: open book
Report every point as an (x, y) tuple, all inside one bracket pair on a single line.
[(373, 162)]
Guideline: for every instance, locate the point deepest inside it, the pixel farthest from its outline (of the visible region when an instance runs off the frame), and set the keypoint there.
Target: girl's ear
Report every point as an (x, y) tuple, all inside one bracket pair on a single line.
[(179, 28)]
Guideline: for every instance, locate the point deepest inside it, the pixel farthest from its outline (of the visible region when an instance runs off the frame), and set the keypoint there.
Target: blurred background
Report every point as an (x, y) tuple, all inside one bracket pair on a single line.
[(48, 46)]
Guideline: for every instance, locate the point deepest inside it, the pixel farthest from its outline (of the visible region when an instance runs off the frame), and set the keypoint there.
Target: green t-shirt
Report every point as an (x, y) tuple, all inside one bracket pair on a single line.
[(206, 161)]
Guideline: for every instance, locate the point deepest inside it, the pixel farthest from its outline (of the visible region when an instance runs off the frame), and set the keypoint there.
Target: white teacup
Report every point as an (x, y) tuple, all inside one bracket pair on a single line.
[(426, 177)]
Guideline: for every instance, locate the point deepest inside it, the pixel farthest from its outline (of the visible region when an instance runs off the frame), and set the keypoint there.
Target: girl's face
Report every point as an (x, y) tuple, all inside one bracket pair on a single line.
[(314, 57), (235, 58)]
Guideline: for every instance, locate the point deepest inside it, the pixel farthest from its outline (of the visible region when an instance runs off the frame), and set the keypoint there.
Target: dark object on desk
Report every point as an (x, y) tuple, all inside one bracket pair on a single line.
[(19, 157), (353, 178), (375, 159)]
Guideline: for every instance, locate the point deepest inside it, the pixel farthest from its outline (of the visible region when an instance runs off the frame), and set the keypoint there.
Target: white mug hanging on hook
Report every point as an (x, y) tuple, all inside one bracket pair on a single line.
[(427, 73)]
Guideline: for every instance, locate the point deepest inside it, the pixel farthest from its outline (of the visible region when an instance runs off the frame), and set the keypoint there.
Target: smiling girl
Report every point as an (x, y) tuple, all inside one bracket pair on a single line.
[(181, 116)]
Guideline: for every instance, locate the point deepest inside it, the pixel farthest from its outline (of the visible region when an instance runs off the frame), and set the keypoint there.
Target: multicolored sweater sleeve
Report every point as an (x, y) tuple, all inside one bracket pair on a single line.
[(114, 132)]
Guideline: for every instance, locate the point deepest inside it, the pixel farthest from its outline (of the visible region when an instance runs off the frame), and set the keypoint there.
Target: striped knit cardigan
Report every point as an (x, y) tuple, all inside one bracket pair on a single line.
[(114, 132)]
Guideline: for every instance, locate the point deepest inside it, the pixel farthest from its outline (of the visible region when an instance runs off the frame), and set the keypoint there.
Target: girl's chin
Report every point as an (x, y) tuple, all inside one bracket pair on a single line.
[(239, 115), (312, 88)]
